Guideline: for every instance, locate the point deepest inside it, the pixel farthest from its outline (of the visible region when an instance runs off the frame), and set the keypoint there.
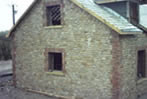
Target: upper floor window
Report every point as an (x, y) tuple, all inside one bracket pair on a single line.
[(53, 15)]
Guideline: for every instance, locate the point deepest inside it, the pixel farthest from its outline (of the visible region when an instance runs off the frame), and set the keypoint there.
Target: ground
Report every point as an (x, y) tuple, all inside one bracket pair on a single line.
[(8, 91)]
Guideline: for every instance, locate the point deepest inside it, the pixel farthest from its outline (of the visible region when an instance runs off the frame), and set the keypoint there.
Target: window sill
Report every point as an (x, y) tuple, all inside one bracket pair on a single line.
[(141, 80), (56, 73), (53, 27)]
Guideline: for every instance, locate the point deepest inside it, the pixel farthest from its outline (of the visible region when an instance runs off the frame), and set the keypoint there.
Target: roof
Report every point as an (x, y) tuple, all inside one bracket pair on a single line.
[(102, 13)]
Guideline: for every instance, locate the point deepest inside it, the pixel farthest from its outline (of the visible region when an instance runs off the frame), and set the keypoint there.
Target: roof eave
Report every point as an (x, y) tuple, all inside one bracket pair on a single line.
[(131, 32), (112, 1), (107, 1)]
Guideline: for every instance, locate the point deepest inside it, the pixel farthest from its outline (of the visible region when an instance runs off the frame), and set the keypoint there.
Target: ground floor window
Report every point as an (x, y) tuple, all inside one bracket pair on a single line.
[(54, 59), (141, 64)]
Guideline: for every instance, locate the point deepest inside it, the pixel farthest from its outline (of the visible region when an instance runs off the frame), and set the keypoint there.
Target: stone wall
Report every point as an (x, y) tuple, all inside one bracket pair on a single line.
[(131, 86), (87, 45)]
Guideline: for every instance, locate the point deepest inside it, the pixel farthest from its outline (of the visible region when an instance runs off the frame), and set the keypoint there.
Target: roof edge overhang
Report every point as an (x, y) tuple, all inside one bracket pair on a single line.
[(120, 32), (21, 18), (107, 1), (112, 1), (131, 33)]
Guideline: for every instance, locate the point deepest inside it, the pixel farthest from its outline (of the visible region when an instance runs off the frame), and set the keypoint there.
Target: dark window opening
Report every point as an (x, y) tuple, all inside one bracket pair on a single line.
[(141, 68), (55, 61), (53, 15), (134, 12)]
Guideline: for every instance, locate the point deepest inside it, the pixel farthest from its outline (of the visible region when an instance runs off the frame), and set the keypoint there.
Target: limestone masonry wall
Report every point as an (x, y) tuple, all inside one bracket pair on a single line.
[(99, 63), (131, 86), (87, 45)]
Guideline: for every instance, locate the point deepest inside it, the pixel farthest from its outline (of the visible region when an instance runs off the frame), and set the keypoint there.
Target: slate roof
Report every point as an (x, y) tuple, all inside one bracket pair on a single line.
[(102, 13)]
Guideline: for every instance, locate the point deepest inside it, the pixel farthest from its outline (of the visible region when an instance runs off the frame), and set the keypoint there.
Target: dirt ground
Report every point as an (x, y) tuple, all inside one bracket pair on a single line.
[(7, 91)]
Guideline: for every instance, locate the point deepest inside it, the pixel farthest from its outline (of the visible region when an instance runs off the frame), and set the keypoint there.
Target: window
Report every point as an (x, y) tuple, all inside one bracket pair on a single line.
[(134, 12), (53, 15), (141, 65), (54, 60)]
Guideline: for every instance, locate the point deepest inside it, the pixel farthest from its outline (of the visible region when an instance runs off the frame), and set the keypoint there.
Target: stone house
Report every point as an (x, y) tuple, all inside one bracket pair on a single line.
[(83, 49)]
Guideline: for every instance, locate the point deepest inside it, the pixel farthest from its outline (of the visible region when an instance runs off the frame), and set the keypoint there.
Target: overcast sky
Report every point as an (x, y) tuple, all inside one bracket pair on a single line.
[(22, 5)]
